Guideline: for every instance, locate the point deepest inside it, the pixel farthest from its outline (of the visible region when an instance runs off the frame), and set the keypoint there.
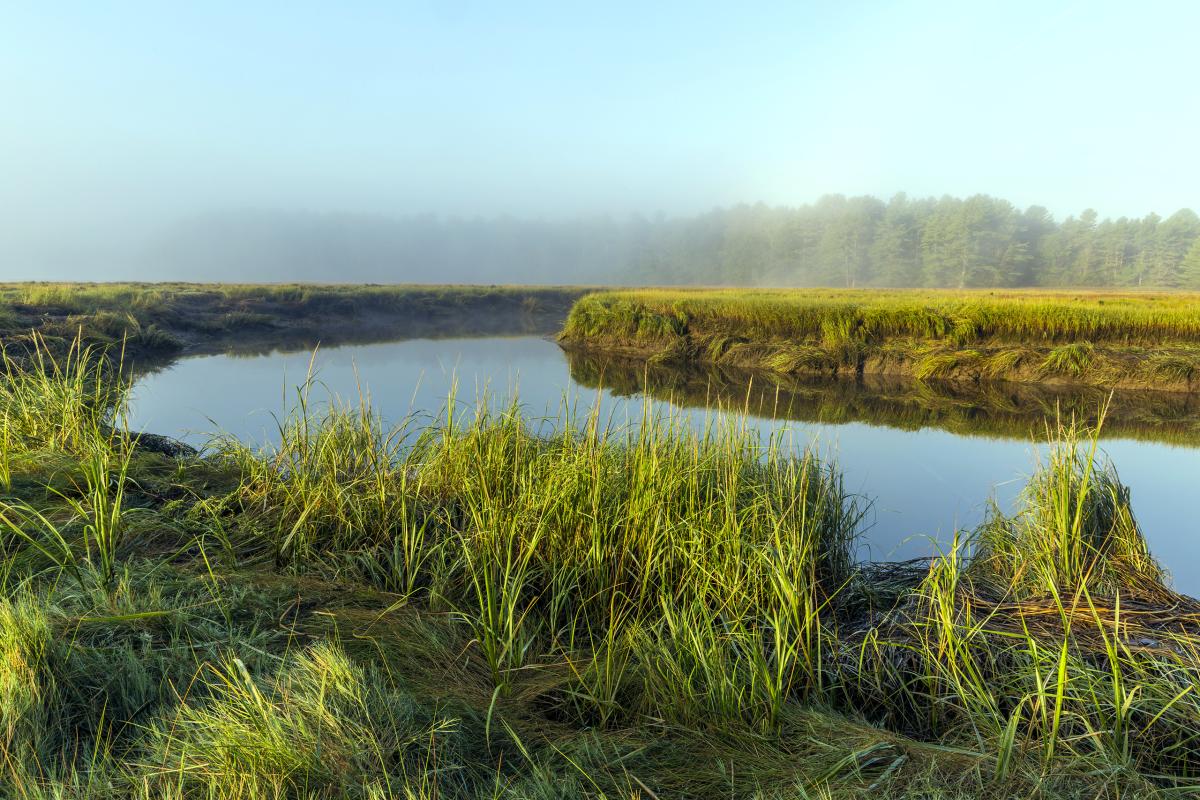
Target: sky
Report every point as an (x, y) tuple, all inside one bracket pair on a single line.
[(122, 118)]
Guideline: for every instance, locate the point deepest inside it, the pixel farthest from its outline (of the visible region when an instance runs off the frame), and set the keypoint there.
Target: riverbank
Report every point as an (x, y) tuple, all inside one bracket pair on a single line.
[(488, 610), (163, 320), (1128, 340)]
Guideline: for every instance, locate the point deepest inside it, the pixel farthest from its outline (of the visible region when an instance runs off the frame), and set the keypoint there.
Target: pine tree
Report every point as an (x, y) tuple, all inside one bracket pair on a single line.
[(1189, 269)]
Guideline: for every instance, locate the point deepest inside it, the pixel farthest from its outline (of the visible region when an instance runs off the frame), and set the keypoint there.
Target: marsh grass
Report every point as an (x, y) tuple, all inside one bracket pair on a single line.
[(1076, 529), (491, 606), (155, 320), (552, 542), (58, 401), (330, 484), (24, 640), (1050, 632), (320, 726), (1070, 359), (1132, 338), (835, 315), (75, 405)]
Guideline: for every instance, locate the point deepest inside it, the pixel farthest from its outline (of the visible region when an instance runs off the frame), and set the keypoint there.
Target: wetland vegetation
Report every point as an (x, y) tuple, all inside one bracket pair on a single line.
[(167, 319), (484, 604), (496, 607), (690, 478), (1105, 339)]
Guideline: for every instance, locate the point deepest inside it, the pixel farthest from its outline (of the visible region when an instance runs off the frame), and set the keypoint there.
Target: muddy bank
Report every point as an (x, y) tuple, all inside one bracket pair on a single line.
[(1135, 341), (1168, 368), (157, 322)]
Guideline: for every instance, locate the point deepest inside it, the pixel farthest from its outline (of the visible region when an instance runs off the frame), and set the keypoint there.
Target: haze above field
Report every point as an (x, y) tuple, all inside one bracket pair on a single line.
[(534, 142)]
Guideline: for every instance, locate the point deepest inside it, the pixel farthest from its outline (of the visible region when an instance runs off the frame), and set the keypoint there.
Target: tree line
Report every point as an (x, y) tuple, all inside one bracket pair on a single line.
[(978, 241)]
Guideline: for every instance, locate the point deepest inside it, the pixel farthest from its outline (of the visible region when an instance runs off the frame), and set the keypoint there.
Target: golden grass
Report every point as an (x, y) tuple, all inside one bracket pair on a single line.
[(1145, 339)]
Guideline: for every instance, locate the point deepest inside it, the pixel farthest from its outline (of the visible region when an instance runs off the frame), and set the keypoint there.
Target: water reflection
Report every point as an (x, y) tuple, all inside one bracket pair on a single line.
[(996, 409)]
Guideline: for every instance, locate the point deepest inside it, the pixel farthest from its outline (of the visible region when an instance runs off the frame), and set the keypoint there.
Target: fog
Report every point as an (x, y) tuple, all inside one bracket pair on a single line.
[(531, 142)]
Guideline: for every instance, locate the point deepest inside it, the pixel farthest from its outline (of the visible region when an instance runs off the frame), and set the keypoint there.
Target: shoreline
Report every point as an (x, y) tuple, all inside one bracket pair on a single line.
[(165, 321), (959, 337)]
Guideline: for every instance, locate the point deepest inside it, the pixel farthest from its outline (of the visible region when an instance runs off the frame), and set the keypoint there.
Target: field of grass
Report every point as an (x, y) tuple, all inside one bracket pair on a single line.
[(491, 607), (1106, 339), (164, 318)]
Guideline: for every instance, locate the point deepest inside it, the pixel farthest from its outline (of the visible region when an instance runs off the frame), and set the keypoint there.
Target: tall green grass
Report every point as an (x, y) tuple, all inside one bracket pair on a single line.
[(1049, 633), (493, 606), (73, 406), (58, 401), (586, 539), (1075, 532)]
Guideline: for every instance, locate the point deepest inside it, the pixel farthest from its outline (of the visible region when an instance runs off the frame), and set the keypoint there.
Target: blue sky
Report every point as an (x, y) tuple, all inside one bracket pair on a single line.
[(128, 114)]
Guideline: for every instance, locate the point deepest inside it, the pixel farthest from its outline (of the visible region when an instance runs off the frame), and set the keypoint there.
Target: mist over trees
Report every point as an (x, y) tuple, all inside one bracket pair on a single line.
[(979, 241)]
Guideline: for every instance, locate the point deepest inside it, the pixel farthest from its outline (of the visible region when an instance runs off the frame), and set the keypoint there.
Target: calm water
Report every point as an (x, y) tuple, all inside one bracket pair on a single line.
[(923, 483)]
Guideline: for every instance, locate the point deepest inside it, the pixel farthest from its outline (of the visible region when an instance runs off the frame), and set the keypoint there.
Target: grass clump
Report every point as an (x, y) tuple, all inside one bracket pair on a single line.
[(68, 408), (332, 484), (942, 364), (1049, 634), (58, 402), (1070, 359), (1075, 532), (578, 541)]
